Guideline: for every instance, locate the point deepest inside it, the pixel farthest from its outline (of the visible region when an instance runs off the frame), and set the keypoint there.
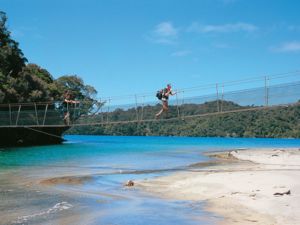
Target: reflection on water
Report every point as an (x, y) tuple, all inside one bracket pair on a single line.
[(81, 181)]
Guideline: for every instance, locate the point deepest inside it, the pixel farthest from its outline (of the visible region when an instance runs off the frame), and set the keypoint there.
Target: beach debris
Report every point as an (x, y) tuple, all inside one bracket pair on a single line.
[(129, 183), (282, 193), (231, 154), (274, 155), (250, 220)]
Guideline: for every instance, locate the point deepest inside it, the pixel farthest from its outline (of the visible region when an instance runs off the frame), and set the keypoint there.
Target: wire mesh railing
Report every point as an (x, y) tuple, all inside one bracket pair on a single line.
[(37, 114), (184, 107), (248, 94)]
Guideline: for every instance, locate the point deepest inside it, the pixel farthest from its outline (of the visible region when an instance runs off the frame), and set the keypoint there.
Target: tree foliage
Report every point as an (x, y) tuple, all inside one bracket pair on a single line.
[(22, 82)]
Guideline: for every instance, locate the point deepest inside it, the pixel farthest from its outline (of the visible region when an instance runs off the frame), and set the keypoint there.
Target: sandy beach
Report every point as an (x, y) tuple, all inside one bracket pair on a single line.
[(255, 186)]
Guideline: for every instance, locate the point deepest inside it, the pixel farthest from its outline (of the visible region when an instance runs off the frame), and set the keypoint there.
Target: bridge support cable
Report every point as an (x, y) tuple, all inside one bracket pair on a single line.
[(43, 132), (188, 116)]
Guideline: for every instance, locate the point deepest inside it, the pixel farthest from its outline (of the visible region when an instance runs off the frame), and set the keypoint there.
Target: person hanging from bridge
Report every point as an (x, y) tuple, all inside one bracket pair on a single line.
[(163, 95), (68, 103)]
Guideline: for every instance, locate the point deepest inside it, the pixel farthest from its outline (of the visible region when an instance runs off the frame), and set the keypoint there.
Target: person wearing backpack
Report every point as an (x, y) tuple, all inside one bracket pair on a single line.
[(163, 95)]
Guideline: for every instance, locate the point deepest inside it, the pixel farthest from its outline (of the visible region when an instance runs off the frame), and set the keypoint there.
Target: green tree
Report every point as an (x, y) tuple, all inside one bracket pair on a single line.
[(86, 94), (12, 61)]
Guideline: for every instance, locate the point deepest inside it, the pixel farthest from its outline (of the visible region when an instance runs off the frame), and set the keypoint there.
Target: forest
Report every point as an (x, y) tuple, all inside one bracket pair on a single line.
[(279, 122)]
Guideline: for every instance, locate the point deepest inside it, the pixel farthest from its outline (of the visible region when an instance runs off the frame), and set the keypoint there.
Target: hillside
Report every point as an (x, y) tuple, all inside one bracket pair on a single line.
[(280, 122)]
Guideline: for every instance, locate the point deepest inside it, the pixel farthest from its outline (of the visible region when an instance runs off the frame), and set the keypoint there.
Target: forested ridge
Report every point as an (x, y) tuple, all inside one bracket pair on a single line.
[(281, 122)]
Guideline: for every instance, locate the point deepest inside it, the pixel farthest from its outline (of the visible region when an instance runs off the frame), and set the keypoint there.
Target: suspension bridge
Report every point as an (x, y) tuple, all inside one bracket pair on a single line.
[(45, 120)]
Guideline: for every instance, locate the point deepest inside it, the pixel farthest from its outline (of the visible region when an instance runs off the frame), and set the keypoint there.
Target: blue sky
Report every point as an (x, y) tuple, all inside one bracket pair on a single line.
[(134, 46)]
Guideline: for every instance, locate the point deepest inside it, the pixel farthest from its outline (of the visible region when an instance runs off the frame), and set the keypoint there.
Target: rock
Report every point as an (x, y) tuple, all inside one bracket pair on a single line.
[(129, 183), (282, 193), (231, 154)]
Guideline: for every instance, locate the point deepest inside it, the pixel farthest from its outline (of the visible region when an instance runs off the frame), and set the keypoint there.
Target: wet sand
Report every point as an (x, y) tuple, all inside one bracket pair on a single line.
[(67, 180), (257, 186)]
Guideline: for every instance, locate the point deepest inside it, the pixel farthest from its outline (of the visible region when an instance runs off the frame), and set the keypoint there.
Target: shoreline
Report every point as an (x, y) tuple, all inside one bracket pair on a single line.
[(257, 186)]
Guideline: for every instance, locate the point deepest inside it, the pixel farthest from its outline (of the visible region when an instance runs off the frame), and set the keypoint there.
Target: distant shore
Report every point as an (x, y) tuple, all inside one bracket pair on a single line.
[(257, 186)]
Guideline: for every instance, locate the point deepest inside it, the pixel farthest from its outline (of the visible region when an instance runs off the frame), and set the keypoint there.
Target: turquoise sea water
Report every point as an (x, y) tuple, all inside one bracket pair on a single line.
[(103, 164)]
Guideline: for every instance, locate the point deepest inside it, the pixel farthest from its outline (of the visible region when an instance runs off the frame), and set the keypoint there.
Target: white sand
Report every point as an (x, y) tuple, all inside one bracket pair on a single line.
[(242, 189)]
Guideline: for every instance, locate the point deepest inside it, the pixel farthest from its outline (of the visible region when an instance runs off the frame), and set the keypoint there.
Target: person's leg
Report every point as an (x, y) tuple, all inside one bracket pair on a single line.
[(166, 107), (67, 118), (161, 111)]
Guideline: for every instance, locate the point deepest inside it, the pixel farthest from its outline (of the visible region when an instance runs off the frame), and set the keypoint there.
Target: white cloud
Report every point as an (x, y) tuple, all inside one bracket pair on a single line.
[(223, 28), (293, 46), (181, 53), (164, 33), (165, 29)]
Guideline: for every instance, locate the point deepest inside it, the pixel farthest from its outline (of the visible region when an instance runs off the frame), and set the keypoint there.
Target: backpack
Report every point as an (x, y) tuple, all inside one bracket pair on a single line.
[(159, 94)]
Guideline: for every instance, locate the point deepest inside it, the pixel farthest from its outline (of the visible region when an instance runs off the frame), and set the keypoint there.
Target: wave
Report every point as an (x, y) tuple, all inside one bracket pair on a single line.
[(56, 208)]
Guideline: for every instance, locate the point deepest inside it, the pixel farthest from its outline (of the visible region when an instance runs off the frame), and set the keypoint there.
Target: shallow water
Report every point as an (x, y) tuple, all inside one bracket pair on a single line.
[(96, 168)]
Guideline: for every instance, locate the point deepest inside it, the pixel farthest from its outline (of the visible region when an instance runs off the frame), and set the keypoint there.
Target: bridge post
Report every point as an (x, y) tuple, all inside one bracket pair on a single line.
[(143, 104), (222, 99), (217, 90), (10, 117), (74, 112), (266, 91), (46, 109), (108, 110), (36, 114), (136, 108), (17, 120), (182, 111), (177, 104), (101, 112)]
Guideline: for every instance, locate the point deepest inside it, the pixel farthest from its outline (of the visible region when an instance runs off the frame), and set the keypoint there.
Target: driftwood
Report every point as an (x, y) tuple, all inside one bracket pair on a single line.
[(282, 193)]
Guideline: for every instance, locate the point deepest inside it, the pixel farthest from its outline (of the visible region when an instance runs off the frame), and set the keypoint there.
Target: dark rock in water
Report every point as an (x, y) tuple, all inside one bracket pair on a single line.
[(282, 193), (129, 183)]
